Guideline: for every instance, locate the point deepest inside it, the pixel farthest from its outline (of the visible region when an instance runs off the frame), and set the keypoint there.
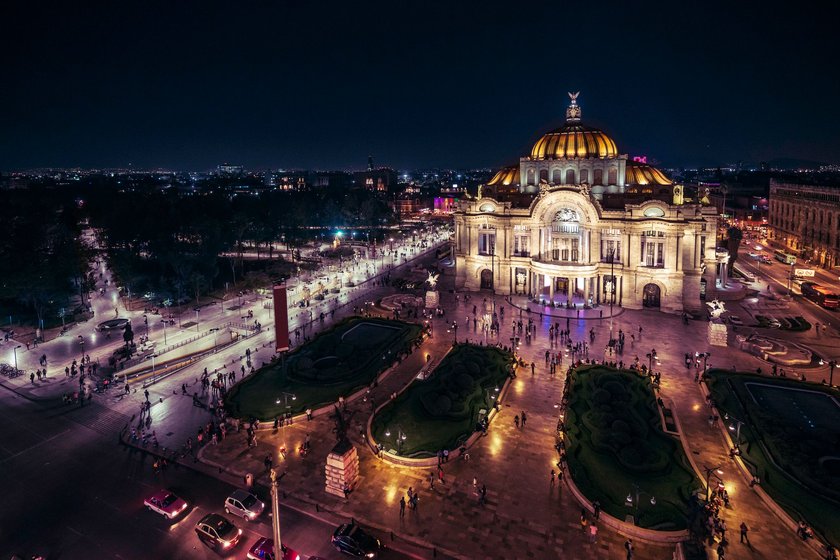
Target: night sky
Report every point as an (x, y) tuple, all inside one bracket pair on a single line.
[(187, 85)]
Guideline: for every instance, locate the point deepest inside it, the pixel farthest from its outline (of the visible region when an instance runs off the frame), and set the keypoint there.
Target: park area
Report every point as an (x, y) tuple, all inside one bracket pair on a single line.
[(790, 440), (616, 447), (441, 412), (336, 363)]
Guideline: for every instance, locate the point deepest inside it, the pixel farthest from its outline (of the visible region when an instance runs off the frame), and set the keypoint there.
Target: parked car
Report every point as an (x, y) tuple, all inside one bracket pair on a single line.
[(735, 320), (351, 539), (244, 504), (216, 531), (263, 549), (774, 323), (754, 256), (165, 503)]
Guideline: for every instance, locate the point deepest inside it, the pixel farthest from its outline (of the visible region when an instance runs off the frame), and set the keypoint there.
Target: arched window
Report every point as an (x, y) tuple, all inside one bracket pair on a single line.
[(543, 175), (557, 177), (570, 176), (613, 176), (584, 175), (531, 177), (598, 177)]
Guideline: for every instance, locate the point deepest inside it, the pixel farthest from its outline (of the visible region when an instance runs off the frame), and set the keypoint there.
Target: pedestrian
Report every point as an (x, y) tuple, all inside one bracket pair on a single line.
[(744, 531), (583, 521), (268, 462), (596, 505), (402, 506), (721, 551), (431, 480), (523, 418), (628, 546), (440, 475), (553, 474), (593, 533), (516, 420)]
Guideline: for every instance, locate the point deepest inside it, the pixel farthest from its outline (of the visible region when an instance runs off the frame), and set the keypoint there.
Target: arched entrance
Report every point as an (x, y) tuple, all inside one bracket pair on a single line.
[(651, 295), (486, 279)]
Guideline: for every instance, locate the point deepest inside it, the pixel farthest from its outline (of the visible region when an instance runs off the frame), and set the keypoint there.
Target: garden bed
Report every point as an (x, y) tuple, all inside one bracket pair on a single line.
[(790, 439), (614, 440), (336, 363), (442, 411)]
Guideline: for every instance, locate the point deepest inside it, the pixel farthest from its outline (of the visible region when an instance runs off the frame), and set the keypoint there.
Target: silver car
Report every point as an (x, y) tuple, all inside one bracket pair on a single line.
[(244, 504)]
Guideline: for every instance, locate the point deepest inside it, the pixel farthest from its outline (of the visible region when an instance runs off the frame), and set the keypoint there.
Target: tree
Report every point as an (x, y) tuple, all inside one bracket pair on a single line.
[(734, 235)]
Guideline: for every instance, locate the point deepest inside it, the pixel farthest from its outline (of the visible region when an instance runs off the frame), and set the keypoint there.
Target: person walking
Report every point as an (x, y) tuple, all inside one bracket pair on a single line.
[(628, 547), (596, 506), (516, 420), (744, 536), (402, 506), (523, 418), (553, 474)]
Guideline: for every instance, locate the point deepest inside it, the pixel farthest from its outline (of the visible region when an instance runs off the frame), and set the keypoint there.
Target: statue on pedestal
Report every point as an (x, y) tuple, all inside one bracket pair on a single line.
[(432, 295)]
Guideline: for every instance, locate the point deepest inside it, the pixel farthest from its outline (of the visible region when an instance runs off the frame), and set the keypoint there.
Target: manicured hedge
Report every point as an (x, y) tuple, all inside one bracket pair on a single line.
[(614, 440), (442, 411), (788, 456), (329, 366)]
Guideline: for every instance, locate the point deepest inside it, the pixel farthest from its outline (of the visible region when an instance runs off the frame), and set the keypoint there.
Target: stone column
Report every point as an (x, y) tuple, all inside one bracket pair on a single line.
[(551, 290)]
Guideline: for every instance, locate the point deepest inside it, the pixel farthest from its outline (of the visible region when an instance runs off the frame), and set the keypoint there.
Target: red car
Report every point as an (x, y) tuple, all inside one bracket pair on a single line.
[(165, 503), (263, 549)]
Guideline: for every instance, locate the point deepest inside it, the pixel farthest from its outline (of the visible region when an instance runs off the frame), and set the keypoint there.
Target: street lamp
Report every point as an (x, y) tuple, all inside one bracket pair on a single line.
[(215, 332), (831, 365), (651, 356), (15, 352), (705, 360), (630, 501), (709, 471), (611, 257), (735, 428), (401, 437), (286, 396)]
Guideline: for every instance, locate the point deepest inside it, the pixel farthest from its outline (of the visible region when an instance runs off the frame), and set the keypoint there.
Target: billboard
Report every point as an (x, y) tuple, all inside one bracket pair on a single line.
[(281, 319), (803, 272)]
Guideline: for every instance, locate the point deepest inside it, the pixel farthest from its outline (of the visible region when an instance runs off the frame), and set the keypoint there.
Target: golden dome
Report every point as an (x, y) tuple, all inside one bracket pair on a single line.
[(574, 140), (644, 174), (505, 177)]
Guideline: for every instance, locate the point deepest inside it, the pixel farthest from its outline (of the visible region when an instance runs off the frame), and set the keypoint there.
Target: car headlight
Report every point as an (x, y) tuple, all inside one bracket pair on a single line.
[(370, 554), (252, 514), (226, 544)]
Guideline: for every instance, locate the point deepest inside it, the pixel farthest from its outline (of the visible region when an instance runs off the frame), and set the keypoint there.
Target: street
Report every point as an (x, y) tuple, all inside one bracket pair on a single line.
[(71, 491)]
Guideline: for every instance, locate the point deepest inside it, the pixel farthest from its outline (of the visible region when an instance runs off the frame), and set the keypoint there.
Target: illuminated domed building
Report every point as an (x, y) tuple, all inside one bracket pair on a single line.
[(576, 221)]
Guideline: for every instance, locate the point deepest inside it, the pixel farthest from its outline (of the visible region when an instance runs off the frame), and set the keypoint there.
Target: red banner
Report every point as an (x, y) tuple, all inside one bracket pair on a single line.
[(281, 319)]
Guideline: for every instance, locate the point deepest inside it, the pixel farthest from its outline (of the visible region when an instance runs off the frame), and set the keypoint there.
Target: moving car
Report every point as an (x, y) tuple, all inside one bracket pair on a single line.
[(350, 539), (773, 322), (216, 531), (165, 503), (244, 504), (263, 549)]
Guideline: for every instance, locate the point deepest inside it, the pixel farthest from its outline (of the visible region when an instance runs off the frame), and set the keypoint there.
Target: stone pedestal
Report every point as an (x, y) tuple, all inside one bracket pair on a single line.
[(342, 469), (432, 299), (717, 334)]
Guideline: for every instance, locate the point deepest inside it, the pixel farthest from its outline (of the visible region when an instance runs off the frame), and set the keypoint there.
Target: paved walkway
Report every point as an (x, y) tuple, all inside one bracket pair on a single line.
[(525, 517)]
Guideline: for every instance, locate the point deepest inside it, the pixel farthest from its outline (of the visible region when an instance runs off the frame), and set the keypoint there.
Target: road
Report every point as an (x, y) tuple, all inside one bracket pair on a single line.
[(70, 491)]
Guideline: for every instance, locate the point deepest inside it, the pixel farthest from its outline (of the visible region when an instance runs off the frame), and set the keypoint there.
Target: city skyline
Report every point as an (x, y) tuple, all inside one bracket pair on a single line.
[(431, 86)]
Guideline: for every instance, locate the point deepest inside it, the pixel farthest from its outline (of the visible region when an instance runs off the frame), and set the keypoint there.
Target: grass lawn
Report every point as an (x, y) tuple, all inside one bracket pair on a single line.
[(442, 411), (791, 440), (336, 363), (615, 440)]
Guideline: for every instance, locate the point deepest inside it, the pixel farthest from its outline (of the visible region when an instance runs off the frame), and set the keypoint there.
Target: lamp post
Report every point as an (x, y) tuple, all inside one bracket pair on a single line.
[(82, 344), (705, 361), (650, 356), (635, 502), (611, 257), (717, 472), (790, 280), (401, 437), (15, 352), (215, 332), (831, 365), (736, 428), (286, 404)]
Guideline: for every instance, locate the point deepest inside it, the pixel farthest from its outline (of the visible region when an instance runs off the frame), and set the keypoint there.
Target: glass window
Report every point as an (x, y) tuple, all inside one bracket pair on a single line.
[(487, 244)]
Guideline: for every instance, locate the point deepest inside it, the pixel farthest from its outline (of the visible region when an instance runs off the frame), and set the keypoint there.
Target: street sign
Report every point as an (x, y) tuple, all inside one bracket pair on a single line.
[(803, 272)]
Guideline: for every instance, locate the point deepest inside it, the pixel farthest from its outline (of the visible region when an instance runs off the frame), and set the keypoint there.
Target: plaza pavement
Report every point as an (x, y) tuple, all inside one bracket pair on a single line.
[(525, 517)]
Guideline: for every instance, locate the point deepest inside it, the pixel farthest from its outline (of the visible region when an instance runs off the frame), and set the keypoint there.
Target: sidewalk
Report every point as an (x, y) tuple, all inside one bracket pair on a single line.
[(525, 516)]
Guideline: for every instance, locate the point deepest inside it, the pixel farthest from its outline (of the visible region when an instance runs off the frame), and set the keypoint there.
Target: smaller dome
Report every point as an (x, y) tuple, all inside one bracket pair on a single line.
[(505, 177), (644, 174)]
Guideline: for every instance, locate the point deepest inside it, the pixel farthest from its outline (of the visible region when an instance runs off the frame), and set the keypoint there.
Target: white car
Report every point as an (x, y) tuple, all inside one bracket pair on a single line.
[(165, 503), (244, 504)]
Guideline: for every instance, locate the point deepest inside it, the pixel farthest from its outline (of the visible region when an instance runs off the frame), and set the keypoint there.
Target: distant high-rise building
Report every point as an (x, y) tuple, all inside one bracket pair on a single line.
[(805, 219)]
